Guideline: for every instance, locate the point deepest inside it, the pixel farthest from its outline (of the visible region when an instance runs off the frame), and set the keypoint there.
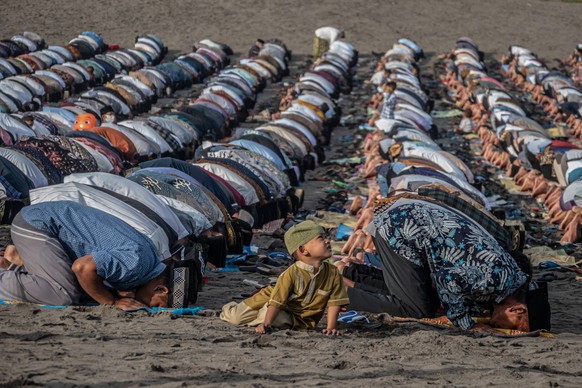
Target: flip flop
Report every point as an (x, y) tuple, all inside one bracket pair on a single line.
[(352, 316), (549, 266), (279, 259), (253, 283), (548, 277), (247, 268), (267, 270)]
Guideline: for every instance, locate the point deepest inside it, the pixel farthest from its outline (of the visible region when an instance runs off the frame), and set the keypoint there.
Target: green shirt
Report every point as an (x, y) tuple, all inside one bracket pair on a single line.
[(304, 293)]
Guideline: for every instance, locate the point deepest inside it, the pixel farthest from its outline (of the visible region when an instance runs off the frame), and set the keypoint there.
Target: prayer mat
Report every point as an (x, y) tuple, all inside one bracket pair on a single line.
[(541, 254), (331, 220), (434, 322), (151, 310)]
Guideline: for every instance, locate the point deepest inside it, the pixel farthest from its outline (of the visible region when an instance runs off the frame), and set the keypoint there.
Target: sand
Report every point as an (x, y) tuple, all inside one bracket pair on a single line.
[(551, 28), (101, 346)]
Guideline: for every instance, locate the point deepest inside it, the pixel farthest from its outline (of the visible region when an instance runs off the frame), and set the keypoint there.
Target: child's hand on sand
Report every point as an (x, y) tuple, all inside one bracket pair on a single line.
[(262, 329), (333, 332), (128, 304)]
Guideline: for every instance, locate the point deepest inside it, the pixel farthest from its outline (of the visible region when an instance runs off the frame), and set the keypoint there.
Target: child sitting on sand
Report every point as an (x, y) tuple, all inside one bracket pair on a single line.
[(302, 292)]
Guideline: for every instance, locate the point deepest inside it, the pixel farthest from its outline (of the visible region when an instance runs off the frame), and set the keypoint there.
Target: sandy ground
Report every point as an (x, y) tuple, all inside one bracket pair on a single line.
[(551, 28), (81, 346)]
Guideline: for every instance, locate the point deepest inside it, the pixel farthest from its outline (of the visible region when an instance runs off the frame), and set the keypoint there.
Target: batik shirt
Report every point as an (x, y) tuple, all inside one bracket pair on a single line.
[(468, 267)]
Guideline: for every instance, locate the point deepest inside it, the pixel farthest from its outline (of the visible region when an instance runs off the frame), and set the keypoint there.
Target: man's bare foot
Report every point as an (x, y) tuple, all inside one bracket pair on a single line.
[(4, 264), (357, 204), (11, 254)]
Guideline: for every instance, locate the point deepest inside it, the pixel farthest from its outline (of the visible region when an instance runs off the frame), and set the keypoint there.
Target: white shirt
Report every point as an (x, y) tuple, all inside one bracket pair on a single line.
[(325, 84), (263, 151), (199, 222), (305, 111), (16, 128), (222, 102), (242, 186), (262, 167), (225, 90), (446, 161), (298, 145), (256, 66), (103, 164), (300, 127), (413, 134), (378, 78), (137, 83), (16, 91), (175, 127), (319, 102), (330, 34), (25, 165), (143, 145), (148, 132), (403, 183)]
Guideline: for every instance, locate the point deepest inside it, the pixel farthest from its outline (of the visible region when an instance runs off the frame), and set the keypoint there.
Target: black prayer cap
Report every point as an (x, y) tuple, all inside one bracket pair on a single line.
[(538, 306)]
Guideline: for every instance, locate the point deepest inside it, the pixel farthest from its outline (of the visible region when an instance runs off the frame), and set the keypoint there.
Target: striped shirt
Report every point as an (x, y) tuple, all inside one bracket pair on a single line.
[(388, 106)]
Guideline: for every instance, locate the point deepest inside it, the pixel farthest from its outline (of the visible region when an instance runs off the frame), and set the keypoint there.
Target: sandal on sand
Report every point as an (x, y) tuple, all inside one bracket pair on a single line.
[(355, 320), (278, 259), (251, 262), (268, 270), (253, 283), (548, 277), (352, 316)]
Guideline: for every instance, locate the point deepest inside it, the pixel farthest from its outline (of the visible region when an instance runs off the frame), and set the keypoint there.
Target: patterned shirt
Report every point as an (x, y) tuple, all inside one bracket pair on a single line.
[(467, 265), (479, 215), (175, 187), (125, 258), (388, 106)]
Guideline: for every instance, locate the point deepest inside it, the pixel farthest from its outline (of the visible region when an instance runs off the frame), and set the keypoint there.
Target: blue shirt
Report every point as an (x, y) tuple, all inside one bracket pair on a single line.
[(468, 267), (124, 257)]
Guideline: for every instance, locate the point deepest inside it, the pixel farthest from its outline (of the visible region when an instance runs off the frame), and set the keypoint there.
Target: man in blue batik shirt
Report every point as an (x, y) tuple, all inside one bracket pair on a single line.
[(64, 251), (433, 255)]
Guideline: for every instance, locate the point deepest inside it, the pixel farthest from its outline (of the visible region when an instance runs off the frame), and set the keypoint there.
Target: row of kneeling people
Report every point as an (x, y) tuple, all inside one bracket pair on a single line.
[(57, 72), (213, 201), (40, 161), (540, 156), (426, 240)]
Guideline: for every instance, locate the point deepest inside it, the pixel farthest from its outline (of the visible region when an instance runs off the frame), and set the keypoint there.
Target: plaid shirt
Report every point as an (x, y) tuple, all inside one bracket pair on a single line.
[(166, 135), (11, 192)]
